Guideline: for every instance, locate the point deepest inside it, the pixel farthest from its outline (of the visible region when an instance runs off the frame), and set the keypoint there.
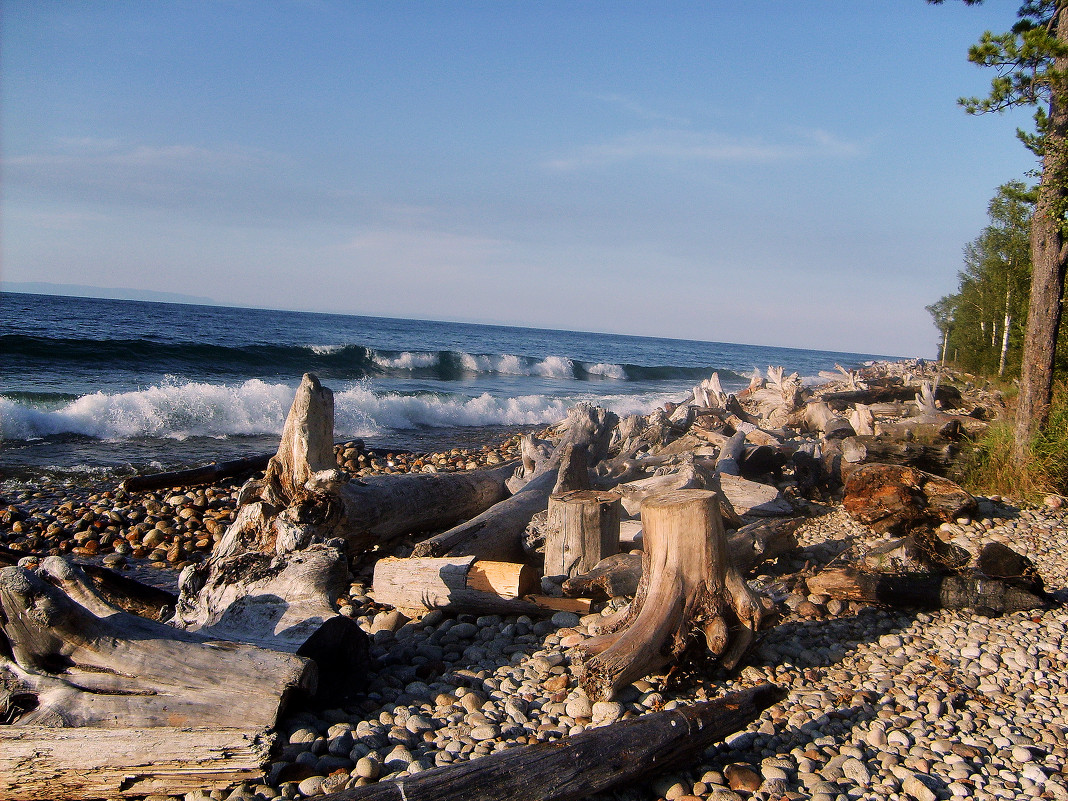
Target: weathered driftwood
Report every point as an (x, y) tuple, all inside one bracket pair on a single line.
[(688, 585), (925, 590), (894, 499), (496, 534), (208, 474), (821, 417), (274, 577), (577, 766), (753, 498), (39, 764), (583, 530), (99, 702), (461, 583)]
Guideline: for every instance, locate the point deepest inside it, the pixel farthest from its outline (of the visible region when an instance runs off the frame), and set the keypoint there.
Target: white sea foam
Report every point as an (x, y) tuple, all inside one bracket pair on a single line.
[(406, 361), (507, 364), (181, 410), (171, 409), (608, 371), (325, 350)]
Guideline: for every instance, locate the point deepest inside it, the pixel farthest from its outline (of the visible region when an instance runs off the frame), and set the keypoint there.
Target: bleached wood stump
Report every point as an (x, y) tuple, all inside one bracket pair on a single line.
[(583, 529), (689, 590)]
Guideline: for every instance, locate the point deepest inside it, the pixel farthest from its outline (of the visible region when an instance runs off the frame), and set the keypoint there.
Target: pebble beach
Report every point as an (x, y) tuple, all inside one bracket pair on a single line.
[(882, 704)]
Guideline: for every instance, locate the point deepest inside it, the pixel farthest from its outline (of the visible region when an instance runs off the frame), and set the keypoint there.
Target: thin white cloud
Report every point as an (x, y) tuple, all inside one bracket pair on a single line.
[(640, 110), (677, 145)]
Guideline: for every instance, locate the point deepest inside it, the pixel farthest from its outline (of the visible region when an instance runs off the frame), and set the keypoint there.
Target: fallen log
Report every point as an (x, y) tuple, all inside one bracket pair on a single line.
[(97, 702), (207, 474), (577, 766), (925, 591), (689, 585)]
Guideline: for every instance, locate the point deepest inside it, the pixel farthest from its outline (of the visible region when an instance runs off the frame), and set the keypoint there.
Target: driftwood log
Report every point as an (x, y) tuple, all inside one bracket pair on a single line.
[(496, 534), (688, 587), (575, 767), (99, 702), (894, 498), (925, 590)]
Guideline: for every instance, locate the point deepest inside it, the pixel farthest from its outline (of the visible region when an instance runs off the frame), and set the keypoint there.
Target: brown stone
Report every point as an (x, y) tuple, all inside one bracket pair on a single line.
[(742, 777)]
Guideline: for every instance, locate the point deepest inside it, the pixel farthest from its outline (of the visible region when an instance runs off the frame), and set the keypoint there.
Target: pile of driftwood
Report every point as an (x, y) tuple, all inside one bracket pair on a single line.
[(104, 702)]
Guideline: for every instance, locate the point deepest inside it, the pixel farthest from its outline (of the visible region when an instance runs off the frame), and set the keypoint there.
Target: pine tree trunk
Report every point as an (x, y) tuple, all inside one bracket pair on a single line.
[(1048, 257)]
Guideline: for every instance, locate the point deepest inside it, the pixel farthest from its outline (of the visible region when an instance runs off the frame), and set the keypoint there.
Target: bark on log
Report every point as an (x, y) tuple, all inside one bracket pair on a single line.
[(583, 530), (496, 534), (688, 586), (461, 583), (208, 474), (925, 591), (894, 499), (577, 766)]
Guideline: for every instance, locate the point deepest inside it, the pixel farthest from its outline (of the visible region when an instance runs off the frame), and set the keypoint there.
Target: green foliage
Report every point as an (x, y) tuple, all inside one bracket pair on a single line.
[(993, 288), (989, 468)]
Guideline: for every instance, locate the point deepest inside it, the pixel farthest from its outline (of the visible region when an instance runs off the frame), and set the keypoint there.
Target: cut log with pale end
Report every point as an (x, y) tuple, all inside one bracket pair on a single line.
[(575, 767), (689, 586), (583, 530), (925, 591), (461, 583), (496, 534)]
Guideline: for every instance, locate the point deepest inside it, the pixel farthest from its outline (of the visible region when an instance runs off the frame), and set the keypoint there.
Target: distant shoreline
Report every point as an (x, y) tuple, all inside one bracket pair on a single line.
[(102, 293)]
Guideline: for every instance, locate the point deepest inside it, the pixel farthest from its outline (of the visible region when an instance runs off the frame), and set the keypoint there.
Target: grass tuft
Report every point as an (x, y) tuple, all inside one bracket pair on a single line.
[(989, 469)]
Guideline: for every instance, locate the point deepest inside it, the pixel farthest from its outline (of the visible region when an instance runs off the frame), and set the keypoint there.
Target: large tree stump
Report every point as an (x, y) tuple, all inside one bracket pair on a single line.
[(583, 529), (689, 587)]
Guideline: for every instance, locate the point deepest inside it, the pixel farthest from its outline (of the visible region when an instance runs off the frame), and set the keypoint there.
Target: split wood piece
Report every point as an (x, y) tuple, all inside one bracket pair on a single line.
[(749, 546), (496, 534), (925, 591), (75, 660), (208, 474), (591, 762), (895, 499), (689, 586), (583, 529), (40, 764), (461, 583)]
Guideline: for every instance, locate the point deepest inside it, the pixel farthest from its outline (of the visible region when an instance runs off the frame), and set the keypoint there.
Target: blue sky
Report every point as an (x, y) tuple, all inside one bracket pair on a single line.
[(764, 172)]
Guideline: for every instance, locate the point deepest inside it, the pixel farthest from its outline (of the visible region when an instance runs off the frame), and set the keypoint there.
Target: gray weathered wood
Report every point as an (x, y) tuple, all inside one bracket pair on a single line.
[(584, 529)]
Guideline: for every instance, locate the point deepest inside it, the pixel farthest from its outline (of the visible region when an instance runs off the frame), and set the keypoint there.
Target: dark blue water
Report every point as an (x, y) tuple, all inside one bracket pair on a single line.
[(90, 385)]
